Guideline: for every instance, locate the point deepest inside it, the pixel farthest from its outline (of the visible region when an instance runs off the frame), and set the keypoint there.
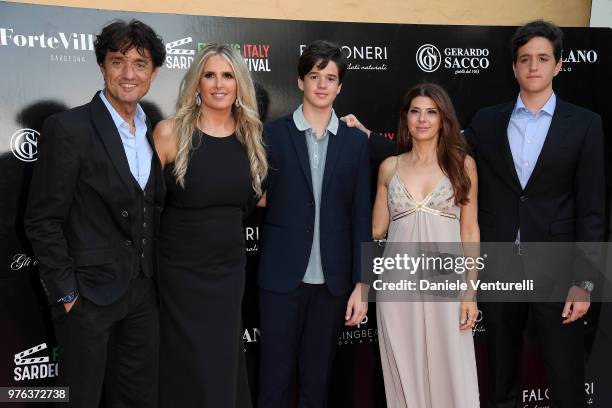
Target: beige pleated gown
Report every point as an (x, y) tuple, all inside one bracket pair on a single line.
[(427, 361)]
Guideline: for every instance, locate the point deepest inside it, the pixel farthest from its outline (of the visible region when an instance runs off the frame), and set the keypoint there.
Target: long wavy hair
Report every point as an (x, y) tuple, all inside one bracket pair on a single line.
[(248, 125), (452, 147)]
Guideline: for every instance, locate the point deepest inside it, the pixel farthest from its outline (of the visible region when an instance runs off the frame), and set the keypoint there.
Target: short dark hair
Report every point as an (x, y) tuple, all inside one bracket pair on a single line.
[(323, 51), (538, 28), (122, 36)]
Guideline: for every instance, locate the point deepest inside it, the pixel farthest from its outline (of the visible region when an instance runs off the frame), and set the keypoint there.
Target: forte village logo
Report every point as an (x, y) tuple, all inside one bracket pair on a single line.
[(180, 54), (429, 59), (62, 45)]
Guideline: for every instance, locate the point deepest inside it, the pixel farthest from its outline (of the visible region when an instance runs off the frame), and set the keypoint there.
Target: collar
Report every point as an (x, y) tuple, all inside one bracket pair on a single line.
[(302, 124), (117, 119), (549, 106)]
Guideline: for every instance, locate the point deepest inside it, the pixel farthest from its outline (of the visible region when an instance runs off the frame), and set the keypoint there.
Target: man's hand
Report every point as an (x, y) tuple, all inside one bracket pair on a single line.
[(356, 308), (352, 121), (68, 306), (576, 305)]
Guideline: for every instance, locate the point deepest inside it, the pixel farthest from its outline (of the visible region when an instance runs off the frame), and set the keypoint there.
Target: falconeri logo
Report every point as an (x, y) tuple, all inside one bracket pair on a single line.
[(24, 144), (35, 368), (255, 55), (535, 397), (55, 41), (459, 60), (363, 57), (252, 239)]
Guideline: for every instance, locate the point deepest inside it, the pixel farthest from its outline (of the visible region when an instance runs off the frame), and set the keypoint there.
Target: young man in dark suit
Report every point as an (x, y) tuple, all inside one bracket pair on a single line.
[(92, 219), (540, 179), (318, 214)]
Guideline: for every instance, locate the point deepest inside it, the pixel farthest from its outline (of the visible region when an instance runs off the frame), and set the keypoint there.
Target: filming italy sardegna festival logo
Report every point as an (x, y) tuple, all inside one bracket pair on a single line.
[(180, 53)]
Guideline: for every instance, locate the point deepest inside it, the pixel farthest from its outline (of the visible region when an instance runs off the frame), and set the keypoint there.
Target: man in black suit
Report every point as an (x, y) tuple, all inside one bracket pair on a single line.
[(92, 218), (540, 179), (318, 214)]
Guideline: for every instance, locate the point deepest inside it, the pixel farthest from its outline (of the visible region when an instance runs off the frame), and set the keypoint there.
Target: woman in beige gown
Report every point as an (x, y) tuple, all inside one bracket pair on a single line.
[(428, 193)]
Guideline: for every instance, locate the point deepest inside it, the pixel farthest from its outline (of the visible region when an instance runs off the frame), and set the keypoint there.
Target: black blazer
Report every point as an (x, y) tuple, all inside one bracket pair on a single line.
[(78, 216), (563, 200), (345, 217)]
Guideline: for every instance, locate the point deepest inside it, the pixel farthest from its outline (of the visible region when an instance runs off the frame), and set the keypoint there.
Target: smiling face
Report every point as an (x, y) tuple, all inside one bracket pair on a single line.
[(320, 86), (127, 77), (423, 119), (535, 66), (218, 84)]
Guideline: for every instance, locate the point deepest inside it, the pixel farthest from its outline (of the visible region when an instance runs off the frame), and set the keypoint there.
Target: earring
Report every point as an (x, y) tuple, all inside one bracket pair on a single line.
[(198, 99), (237, 103)]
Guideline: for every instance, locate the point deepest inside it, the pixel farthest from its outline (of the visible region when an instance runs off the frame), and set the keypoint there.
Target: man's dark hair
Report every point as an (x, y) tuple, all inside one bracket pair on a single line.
[(122, 36), (323, 51), (538, 28)]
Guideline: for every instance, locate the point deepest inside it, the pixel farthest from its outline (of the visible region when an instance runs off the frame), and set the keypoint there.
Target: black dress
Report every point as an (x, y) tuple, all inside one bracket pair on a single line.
[(201, 279)]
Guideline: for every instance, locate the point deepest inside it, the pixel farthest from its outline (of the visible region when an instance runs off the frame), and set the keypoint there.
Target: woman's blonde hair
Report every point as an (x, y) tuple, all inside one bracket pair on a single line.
[(248, 126)]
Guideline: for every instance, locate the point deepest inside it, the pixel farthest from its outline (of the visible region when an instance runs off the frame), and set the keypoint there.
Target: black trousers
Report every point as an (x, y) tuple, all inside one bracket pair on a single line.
[(299, 332), (110, 353), (562, 348)]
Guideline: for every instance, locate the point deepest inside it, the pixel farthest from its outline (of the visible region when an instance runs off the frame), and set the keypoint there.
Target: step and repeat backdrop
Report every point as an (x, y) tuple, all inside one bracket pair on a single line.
[(47, 64)]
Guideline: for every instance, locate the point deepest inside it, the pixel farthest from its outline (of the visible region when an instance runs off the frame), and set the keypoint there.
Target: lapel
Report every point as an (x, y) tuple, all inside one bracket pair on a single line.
[(299, 143), (503, 145), (554, 139), (109, 134), (156, 169), (334, 146)]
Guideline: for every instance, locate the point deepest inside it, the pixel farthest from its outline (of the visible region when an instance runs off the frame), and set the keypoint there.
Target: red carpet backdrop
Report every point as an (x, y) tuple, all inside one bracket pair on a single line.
[(48, 65)]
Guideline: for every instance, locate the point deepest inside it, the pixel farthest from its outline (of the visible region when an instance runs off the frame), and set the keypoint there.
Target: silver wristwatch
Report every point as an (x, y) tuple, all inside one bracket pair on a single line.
[(585, 284)]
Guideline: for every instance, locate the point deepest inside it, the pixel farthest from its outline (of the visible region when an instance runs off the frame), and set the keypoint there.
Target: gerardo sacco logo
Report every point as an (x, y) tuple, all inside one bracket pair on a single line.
[(358, 335), (58, 43), (572, 58), (428, 58), (35, 368), (180, 54), (24, 144), (363, 57), (459, 60)]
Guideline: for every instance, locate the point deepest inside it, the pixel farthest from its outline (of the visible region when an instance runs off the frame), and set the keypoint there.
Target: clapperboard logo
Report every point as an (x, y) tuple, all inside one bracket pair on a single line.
[(179, 58), (35, 368), (20, 358)]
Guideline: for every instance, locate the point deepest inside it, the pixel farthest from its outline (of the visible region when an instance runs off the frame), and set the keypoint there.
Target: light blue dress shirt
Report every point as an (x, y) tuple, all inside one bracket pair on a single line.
[(317, 153), (136, 146), (526, 134)]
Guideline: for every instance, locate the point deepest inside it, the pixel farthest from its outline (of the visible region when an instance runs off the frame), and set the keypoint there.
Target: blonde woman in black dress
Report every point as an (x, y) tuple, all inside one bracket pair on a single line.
[(214, 163)]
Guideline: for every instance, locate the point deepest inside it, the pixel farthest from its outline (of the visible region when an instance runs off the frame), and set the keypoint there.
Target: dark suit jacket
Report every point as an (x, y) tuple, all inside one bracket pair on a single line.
[(563, 200), (345, 217), (81, 197)]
